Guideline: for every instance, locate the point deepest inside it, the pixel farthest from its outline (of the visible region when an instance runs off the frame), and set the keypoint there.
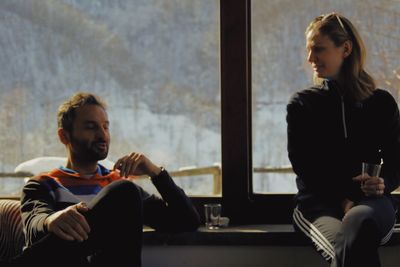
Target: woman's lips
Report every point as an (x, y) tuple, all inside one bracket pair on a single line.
[(317, 68)]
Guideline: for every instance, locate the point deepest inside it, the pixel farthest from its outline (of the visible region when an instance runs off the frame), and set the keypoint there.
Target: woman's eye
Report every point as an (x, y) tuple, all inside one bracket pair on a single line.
[(318, 49)]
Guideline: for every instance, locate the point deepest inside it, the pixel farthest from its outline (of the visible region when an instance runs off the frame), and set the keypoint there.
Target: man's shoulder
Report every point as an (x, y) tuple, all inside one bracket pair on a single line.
[(46, 179), (42, 177)]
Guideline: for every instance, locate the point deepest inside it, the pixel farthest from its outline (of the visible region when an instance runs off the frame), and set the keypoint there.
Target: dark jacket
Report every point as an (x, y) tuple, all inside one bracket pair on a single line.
[(330, 135)]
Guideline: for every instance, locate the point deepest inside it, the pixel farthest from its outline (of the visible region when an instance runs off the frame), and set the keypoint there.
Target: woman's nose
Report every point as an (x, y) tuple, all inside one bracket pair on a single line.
[(311, 56)]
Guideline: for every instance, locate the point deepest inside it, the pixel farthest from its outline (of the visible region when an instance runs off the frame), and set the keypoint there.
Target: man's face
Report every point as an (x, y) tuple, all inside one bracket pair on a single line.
[(90, 137)]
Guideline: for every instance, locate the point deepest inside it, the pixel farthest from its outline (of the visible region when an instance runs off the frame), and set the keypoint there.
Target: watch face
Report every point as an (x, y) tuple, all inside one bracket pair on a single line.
[(161, 172)]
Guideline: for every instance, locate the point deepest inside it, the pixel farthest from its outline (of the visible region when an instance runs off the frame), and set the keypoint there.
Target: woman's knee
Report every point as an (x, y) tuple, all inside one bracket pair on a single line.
[(358, 215), (361, 220)]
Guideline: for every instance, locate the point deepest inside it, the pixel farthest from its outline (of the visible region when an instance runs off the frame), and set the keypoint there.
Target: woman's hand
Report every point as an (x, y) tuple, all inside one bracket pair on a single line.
[(371, 186), (69, 223), (347, 205)]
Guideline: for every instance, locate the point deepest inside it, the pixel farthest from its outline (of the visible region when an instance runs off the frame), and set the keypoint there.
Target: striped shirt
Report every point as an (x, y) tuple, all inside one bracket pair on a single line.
[(68, 186)]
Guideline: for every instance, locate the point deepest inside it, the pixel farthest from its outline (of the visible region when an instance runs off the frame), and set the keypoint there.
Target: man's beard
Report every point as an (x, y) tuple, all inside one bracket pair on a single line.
[(88, 152)]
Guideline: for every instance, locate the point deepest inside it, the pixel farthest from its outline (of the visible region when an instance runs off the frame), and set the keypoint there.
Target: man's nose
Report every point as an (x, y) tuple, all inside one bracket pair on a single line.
[(102, 133)]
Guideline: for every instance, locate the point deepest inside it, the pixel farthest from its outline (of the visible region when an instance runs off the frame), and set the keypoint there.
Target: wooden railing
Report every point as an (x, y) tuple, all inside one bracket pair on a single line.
[(15, 174), (217, 174), (215, 171), (281, 169)]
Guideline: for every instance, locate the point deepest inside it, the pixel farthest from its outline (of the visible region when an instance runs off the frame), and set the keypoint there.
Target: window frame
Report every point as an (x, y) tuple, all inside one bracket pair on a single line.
[(239, 202)]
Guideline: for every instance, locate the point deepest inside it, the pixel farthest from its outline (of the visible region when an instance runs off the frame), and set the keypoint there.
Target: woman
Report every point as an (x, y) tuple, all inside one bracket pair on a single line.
[(333, 127)]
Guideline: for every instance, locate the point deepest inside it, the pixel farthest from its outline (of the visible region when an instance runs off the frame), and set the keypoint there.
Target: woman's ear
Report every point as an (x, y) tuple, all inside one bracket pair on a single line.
[(63, 136), (348, 48)]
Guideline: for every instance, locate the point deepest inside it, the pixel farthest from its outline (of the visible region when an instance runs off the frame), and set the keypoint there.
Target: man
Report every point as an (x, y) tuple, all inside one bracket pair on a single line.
[(83, 213)]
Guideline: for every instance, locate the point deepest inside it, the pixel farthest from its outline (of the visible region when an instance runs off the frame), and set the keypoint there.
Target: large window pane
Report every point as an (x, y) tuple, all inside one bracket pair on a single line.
[(156, 63), (280, 68)]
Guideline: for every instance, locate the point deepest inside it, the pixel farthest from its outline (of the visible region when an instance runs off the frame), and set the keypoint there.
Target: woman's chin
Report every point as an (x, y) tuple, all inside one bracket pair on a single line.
[(322, 75), (319, 75)]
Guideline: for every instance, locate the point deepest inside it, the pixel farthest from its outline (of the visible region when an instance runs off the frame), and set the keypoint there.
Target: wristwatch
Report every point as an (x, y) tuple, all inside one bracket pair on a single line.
[(160, 174)]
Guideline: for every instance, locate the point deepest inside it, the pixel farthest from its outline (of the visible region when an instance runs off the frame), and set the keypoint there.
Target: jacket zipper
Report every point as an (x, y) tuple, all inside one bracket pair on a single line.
[(343, 118)]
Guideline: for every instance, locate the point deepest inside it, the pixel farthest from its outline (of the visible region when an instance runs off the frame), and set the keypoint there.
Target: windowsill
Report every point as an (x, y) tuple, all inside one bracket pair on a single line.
[(245, 235), (266, 234)]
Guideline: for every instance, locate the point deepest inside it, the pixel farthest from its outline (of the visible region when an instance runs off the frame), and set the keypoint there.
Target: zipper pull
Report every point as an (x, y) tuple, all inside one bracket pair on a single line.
[(343, 118)]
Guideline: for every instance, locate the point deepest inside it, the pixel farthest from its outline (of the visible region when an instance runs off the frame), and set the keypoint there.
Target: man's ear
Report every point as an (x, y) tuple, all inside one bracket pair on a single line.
[(348, 48), (63, 135)]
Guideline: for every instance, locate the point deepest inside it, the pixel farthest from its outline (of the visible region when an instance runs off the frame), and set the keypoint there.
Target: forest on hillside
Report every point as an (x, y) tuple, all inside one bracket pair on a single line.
[(156, 63)]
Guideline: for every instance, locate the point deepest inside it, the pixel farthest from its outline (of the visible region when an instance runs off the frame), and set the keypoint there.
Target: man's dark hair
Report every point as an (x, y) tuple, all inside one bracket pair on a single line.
[(66, 112)]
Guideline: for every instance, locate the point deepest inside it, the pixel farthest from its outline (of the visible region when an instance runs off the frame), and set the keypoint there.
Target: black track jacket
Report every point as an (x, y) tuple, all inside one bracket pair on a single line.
[(329, 136)]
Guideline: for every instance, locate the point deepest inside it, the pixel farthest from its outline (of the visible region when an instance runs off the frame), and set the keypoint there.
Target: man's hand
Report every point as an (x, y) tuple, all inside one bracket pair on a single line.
[(371, 186), (69, 223), (136, 164)]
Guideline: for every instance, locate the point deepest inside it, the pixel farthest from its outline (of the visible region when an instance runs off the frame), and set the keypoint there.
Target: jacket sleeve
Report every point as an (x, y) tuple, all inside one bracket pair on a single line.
[(391, 145), (37, 204), (173, 212), (307, 154)]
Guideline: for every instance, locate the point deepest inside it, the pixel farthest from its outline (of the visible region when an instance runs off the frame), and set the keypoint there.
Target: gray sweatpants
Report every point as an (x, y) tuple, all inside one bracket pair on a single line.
[(351, 239)]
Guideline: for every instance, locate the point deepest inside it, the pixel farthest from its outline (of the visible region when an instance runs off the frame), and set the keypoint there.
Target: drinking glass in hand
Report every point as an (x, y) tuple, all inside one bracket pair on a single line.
[(370, 169)]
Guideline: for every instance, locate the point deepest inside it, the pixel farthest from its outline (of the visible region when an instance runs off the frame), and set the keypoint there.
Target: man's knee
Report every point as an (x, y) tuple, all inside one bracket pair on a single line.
[(121, 199), (117, 196), (125, 189)]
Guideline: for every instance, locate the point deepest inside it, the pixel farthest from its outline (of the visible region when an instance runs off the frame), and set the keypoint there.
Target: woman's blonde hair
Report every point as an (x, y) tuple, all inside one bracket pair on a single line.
[(357, 82)]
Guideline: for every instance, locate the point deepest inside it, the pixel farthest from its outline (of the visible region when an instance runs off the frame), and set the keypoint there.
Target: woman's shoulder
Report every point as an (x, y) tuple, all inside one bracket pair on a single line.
[(379, 92), (382, 96), (307, 95), (383, 101)]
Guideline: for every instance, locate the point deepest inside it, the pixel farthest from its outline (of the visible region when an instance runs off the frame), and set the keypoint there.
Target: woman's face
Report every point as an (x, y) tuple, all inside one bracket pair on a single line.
[(325, 57)]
